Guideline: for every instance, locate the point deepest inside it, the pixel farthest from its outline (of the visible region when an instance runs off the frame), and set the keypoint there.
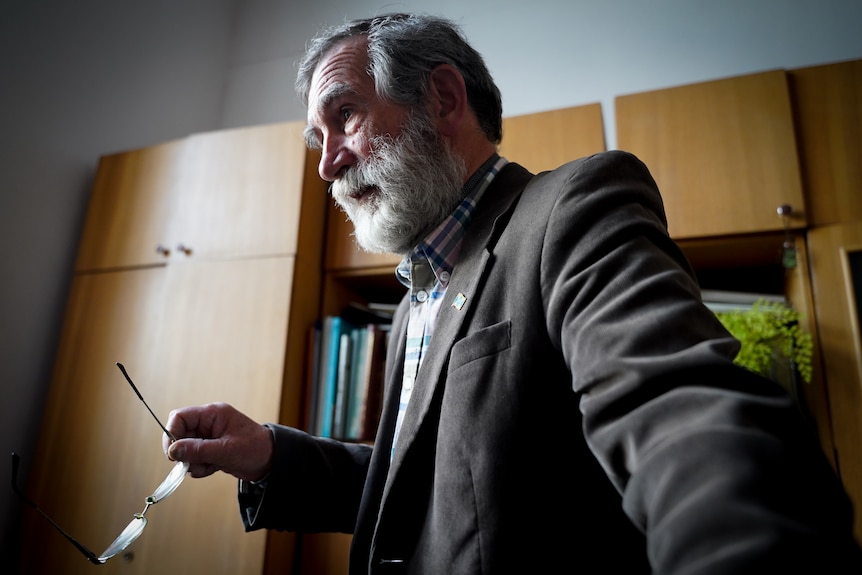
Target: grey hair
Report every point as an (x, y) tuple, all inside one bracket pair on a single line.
[(403, 50)]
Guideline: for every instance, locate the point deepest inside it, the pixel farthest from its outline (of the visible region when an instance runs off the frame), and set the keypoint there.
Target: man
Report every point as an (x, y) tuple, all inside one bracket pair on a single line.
[(558, 399)]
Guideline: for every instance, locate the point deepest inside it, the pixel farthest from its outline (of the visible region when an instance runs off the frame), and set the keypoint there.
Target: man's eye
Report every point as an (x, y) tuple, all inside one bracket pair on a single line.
[(346, 113)]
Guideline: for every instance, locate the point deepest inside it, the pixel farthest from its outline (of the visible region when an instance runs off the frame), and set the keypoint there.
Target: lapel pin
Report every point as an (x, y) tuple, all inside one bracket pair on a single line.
[(459, 301)]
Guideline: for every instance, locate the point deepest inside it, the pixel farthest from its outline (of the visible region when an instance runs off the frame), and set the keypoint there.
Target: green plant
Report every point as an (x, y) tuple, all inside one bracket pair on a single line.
[(769, 331)]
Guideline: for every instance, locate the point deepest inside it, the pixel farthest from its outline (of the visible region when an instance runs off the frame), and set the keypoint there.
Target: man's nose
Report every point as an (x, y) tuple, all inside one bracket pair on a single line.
[(335, 157)]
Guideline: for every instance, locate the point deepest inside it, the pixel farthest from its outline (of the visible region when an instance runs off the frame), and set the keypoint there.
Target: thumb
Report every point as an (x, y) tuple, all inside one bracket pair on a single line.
[(176, 451), (201, 455)]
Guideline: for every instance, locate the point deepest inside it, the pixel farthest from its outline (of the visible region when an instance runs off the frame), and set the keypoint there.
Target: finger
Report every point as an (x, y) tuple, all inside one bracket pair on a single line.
[(198, 471), (200, 453), (200, 420), (182, 423), (204, 456), (193, 421), (177, 426), (179, 451)]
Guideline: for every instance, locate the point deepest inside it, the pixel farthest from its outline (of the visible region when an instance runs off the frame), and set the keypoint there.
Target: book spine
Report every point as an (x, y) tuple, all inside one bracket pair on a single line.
[(329, 373)]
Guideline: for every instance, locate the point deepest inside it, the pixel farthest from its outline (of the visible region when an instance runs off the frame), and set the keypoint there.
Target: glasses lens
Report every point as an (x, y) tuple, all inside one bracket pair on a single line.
[(171, 482), (132, 531)]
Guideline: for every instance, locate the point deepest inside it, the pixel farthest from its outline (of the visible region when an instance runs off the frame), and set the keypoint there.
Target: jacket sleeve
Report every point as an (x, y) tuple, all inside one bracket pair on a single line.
[(315, 485), (715, 464)]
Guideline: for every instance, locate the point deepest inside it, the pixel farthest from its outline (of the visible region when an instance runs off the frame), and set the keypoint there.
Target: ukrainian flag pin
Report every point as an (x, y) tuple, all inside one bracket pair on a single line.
[(459, 301)]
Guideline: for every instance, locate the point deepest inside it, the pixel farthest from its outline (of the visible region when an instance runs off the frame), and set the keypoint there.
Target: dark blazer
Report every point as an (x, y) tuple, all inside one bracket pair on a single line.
[(580, 412)]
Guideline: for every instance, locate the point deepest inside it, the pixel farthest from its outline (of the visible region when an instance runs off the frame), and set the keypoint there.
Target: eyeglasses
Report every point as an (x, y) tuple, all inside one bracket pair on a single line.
[(134, 529)]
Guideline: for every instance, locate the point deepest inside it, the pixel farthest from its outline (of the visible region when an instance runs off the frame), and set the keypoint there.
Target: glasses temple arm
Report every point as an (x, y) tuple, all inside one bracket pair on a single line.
[(141, 397), (80, 546)]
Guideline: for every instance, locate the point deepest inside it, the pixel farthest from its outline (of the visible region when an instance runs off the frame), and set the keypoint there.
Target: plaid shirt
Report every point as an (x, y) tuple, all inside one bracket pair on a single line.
[(427, 271)]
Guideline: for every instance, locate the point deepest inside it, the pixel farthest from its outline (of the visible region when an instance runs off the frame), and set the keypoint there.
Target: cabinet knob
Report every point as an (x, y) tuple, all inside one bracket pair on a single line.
[(162, 250), (785, 210), (184, 249)]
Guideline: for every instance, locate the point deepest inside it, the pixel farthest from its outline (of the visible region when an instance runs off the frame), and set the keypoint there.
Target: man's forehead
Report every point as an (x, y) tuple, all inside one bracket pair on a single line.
[(346, 59)]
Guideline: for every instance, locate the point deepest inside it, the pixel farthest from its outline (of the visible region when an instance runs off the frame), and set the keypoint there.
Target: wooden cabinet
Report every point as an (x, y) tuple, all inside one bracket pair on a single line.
[(546, 140), (214, 195), (722, 152), (130, 208), (725, 154), (227, 323), (827, 106), (836, 274), (239, 192), (754, 264)]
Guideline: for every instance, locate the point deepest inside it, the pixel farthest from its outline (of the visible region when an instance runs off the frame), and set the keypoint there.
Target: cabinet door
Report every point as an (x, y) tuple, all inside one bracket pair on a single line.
[(224, 339), (98, 454), (722, 152), (241, 193), (188, 334), (547, 140), (225, 194), (835, 254), (130, 209), (827, 102)]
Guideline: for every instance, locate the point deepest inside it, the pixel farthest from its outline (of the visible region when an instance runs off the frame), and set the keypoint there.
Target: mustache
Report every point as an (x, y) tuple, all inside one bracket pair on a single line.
[(351, 182), (382, 170)]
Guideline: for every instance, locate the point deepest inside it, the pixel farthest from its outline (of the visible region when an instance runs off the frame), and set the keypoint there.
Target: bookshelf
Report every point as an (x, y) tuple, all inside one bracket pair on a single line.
[(346, 387)]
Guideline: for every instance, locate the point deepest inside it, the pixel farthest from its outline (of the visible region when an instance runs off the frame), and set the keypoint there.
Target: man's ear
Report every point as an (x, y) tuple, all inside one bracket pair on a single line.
[(448, 97)]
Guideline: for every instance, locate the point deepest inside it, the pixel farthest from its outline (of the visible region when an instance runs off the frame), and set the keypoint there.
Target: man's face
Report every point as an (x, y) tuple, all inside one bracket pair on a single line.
[(390, 170)]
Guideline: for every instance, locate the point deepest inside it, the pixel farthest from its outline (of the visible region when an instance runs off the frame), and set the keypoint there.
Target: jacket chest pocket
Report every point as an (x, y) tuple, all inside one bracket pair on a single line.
[(482, 343)]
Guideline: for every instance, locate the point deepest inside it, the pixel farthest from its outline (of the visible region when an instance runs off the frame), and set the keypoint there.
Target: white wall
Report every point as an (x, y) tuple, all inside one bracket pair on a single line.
[(548, 54), (95, 76)]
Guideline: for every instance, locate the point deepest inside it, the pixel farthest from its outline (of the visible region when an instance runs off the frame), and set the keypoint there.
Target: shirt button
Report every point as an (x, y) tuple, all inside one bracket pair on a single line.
[(421, 296), (444, 276)]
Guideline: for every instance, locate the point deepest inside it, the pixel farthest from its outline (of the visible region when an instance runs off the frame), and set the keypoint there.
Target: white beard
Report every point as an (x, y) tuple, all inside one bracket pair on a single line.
[(417, 183)]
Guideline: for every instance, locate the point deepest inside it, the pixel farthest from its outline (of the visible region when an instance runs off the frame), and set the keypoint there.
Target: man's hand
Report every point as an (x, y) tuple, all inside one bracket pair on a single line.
[(217, 437)]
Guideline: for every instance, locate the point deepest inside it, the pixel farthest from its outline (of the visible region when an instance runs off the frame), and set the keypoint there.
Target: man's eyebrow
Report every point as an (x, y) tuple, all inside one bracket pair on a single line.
[(332, 92)]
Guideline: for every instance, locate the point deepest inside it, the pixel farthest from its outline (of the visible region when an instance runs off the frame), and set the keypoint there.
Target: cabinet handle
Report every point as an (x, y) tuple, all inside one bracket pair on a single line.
[(184, 249), (788, 255), (785, 210), (160, 249)]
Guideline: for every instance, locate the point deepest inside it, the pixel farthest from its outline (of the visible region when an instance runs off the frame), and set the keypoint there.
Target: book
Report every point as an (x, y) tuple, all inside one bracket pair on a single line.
[(378, 337), (312, 377), (328, 380), (358, 383), (342, 389), (346, 377)]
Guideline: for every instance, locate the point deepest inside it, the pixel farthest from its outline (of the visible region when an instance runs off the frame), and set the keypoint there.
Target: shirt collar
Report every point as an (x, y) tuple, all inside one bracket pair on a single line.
[(441, 246)]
